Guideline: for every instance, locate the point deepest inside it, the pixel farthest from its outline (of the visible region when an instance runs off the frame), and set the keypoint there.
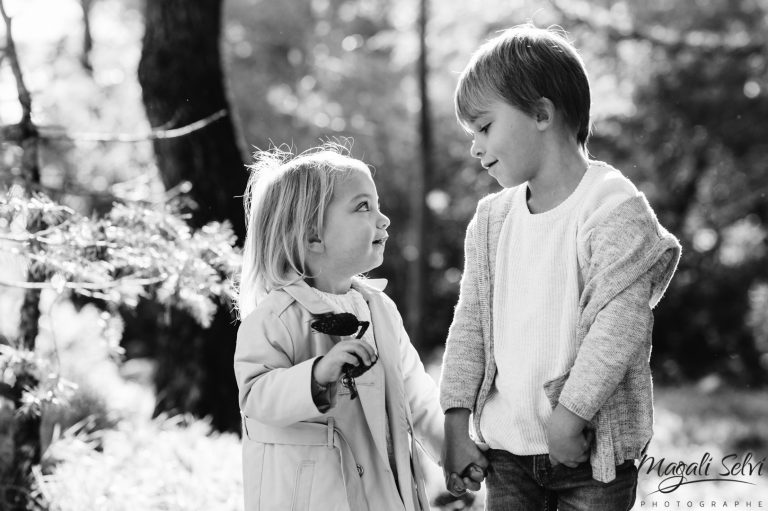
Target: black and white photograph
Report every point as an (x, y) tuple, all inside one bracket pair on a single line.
[(383, 255)]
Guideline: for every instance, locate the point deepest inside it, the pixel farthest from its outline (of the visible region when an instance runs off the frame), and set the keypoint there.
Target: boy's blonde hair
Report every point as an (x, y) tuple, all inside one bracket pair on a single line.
[(521, 66), (285, 202)]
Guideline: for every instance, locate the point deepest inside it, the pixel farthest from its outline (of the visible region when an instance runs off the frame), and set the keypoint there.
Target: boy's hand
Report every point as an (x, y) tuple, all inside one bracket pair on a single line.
[(464, 464), (569, 439), (328, 368)]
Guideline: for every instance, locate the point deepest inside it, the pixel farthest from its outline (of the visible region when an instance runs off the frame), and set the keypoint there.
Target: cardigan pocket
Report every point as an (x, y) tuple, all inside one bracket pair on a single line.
[(554, 387)]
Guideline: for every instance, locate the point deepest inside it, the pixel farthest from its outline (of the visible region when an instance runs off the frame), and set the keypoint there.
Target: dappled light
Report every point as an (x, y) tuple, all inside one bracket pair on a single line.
[(125, 130)]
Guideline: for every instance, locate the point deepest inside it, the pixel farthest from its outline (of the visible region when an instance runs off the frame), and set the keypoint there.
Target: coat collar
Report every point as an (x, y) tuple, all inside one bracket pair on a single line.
[(302, 293)]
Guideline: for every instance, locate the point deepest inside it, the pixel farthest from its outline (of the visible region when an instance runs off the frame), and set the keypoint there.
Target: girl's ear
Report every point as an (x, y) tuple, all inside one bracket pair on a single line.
[(314, 243), (544, 113)]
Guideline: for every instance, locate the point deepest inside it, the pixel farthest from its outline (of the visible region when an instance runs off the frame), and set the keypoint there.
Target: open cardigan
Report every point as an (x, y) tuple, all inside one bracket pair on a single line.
[(626, 245)]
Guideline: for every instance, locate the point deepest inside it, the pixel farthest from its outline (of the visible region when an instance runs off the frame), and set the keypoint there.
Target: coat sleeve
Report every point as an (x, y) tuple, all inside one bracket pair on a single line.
[(272, 388), (423, 398), (464, 356)]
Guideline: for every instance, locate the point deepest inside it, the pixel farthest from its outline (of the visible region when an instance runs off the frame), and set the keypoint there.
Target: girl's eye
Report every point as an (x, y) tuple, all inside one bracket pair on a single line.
[(363, 206)]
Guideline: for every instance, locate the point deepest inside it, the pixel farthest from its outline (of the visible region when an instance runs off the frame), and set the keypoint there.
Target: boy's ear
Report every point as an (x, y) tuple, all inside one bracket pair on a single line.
[(544, 113)]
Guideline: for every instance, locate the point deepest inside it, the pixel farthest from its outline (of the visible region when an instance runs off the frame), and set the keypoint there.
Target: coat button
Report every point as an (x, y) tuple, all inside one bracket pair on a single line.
[(360, 470)]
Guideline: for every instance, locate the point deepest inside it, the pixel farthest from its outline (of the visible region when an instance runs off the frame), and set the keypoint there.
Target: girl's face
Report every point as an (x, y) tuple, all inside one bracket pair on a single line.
[(354, 234)]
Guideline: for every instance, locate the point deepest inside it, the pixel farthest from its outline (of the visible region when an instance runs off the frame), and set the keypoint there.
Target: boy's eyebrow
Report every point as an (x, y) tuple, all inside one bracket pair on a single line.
[(477, 120)]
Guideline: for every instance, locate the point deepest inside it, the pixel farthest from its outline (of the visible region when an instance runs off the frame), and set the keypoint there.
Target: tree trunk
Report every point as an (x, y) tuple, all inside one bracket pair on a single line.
[(180, 73), (418, 267)]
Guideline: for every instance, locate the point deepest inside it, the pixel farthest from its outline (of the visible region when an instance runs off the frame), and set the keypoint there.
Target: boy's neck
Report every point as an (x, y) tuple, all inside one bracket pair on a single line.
[(561, 172)]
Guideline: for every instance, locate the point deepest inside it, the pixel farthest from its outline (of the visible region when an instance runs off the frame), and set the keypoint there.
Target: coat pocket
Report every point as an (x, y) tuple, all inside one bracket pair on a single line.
[(303, 488)]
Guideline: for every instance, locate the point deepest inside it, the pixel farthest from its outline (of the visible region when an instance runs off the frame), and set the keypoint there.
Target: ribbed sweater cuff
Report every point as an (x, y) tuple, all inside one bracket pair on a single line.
[(580, 409), (447, 404)]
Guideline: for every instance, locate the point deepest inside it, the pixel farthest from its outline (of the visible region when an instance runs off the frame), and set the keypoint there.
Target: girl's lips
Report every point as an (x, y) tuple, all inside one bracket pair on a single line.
[(381, 241)]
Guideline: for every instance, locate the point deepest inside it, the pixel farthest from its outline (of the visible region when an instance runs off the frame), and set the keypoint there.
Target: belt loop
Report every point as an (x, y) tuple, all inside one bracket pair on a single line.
[(330, 432)]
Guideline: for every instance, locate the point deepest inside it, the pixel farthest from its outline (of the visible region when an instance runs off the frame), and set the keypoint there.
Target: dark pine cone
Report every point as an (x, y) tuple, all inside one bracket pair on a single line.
[(336, 324), (345, 324)]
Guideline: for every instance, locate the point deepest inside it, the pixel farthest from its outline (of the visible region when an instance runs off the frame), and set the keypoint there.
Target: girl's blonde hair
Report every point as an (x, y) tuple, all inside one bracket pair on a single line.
[(285, 202)]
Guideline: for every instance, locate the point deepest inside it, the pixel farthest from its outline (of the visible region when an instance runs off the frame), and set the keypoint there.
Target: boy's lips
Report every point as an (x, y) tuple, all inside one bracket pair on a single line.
[(487, 166)]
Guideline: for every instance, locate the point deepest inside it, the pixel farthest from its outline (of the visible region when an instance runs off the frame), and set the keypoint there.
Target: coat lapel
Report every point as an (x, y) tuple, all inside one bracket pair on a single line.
[(387, 332), (371, 385), (373, 395)]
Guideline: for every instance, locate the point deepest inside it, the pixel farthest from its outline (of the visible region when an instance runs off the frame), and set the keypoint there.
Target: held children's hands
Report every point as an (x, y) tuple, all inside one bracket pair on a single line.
[(464, 464), (328, 368), (569, 439)]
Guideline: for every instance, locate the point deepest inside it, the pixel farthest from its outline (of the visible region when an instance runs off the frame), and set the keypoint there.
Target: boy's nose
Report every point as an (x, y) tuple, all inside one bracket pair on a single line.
[(475, 150)]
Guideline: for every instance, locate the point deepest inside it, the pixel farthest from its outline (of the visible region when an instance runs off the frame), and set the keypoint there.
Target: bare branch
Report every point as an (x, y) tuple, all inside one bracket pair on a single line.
[(85, 58), (90, 286), (27, 132), (10, 50), (51, 133)]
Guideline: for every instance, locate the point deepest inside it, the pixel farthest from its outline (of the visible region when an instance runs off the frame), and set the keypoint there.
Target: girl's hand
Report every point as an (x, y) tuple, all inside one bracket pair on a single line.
[(328, 368)]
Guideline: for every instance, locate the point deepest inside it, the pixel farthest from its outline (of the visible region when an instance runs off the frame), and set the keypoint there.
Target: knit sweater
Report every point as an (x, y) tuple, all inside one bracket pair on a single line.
[(609, 382), (538, 287)]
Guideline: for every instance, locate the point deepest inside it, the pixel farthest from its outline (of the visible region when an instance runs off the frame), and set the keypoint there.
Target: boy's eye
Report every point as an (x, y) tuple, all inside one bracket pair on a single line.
[(485, 127)]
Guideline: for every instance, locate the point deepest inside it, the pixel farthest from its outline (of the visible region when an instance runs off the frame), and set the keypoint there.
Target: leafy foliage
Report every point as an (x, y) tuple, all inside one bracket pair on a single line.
[(134, 250)]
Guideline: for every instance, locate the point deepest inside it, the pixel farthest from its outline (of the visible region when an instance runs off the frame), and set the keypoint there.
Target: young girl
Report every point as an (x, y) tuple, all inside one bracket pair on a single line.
[(310, 441)]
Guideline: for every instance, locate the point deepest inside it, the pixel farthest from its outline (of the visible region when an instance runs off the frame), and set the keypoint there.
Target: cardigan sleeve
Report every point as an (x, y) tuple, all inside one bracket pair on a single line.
[(631, 259), (464, 357), (619, 332)]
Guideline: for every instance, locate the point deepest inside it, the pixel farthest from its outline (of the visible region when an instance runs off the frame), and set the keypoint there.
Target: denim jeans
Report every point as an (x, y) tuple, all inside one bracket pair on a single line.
[(531, 483)]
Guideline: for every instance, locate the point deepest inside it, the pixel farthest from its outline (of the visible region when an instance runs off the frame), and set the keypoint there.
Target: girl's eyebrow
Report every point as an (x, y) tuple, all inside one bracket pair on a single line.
[(360, 196)]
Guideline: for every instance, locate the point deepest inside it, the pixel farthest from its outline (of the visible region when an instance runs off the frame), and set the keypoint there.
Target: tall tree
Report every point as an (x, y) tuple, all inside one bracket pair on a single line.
[(419, 236), (181, 76)]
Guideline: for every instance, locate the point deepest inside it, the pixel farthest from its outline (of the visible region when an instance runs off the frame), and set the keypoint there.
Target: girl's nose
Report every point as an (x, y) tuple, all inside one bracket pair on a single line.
[(383, 221)]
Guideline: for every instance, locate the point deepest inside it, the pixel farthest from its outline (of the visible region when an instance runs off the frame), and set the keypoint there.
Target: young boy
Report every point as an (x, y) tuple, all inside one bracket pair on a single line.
[(550, 343)]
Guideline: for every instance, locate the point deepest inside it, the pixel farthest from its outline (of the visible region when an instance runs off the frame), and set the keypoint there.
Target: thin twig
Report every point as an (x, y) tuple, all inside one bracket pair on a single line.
[(91, 286), (85, 58), (10, 49), (50, 133), (27, 131)]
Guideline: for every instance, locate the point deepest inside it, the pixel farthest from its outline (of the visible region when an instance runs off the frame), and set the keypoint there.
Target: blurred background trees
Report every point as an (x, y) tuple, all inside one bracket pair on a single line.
[(679, 93), (679, 105)]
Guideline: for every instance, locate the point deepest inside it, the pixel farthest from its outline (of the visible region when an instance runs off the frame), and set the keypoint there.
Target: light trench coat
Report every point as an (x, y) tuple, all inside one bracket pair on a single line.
[(297, 458)]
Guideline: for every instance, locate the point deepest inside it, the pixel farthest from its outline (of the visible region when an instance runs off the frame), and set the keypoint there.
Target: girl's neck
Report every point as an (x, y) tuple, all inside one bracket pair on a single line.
[(330, 285)]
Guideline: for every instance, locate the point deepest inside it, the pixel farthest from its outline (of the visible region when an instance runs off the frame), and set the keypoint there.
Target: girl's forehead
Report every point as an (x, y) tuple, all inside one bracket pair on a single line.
[(355, 181)]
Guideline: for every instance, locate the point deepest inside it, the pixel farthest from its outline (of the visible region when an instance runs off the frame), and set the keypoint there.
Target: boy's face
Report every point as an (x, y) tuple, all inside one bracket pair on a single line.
[(508, 143)]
